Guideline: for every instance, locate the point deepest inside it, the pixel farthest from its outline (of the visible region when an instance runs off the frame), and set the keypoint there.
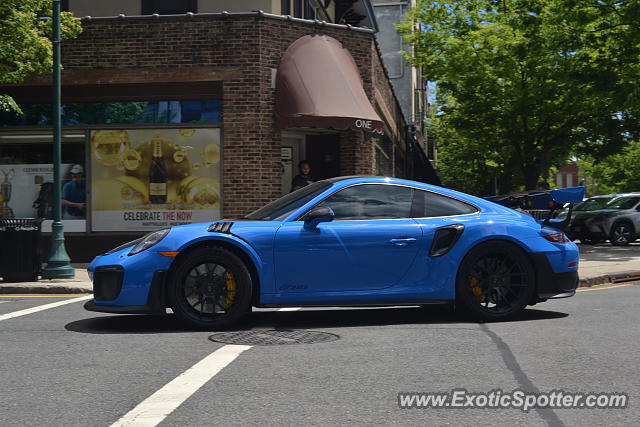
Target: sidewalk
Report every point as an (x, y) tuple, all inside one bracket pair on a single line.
[(599, 264), (605, 263), (78, 285)]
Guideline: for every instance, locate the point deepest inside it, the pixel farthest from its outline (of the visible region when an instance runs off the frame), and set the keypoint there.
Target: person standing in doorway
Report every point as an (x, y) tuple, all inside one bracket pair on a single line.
[(73, 194), (304, 177)]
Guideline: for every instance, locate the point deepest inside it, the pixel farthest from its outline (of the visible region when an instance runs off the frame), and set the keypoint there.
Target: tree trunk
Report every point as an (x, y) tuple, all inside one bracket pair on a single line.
[(531, 173), (545, 165)]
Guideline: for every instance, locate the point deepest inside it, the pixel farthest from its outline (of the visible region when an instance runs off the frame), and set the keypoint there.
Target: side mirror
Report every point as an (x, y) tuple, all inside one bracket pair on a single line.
[(316, 216)]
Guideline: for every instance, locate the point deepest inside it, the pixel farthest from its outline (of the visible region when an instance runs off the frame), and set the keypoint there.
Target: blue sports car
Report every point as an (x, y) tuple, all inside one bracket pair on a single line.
[(349, 241)]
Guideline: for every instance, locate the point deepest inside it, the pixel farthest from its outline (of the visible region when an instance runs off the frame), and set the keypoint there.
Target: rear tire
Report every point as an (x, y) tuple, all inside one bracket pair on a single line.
[(622, 233), (495, 282), (210, 289)]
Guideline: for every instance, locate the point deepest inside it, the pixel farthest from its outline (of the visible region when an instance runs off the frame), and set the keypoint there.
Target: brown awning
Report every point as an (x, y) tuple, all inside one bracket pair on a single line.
[(318, 86)]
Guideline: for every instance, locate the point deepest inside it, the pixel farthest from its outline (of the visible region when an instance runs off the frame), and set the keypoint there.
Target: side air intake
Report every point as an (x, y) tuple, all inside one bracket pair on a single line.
[(445, 238)]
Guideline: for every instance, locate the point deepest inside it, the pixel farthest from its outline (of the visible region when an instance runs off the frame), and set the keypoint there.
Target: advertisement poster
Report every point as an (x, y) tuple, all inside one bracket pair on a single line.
[(145, 179)]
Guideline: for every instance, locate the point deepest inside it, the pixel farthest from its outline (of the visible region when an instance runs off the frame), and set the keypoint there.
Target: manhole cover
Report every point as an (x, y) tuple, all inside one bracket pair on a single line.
[(270, 337)]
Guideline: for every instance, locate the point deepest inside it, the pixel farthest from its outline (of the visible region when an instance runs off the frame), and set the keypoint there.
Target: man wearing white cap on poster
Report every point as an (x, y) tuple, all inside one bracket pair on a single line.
[(73, 194)]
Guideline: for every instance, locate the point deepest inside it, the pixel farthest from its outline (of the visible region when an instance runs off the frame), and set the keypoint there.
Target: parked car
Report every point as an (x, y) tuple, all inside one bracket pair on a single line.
[(581, 211), (618, 221), (344, 242)]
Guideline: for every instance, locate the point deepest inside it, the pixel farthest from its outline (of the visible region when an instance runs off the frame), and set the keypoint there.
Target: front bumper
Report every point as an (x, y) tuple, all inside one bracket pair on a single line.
[(107, 290), (551, 284), (123, 282)]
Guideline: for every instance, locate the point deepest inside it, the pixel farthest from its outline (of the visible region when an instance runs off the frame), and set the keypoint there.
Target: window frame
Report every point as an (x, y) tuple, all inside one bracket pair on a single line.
[(450, 197), (478, 210)]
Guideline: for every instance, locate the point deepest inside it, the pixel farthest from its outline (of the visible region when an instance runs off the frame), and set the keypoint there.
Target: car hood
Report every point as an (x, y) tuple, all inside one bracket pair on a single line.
[(237, 227), (246, 230)]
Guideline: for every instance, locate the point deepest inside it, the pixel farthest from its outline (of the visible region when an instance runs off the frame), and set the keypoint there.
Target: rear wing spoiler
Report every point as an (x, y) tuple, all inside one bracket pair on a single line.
[(560, 197)]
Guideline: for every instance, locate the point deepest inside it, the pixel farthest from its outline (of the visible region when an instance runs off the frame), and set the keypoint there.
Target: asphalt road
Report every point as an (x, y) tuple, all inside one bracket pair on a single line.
[(65, 366)]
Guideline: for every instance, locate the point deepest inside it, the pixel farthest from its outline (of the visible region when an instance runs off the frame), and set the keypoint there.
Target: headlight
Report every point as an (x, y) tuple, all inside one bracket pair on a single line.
[(123, 246), (149, 240)]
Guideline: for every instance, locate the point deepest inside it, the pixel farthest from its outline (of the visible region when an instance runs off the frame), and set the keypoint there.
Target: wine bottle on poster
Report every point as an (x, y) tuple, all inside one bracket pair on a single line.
[(157, 176)]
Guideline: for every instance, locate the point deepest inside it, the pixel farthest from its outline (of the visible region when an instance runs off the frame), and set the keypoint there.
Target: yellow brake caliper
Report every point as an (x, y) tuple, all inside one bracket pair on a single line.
[(475, 289), (231, 288)]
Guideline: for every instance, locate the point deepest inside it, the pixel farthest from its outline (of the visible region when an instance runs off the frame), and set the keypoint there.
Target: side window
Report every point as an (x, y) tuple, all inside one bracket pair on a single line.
[(168, 7), (427, 204), (370, 201), (631, 203)]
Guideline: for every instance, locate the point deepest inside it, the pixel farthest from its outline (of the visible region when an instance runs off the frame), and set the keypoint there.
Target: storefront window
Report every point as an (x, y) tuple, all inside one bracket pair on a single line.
[(400, 166), (383, 157), (26, 177), (104, 113)]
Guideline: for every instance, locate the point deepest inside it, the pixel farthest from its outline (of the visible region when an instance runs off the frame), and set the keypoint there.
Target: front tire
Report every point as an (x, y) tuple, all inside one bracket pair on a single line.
[(495, 282), (210, 289)]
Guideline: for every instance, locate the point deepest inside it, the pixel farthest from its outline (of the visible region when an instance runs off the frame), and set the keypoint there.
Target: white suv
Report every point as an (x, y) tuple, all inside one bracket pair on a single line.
[(619, 220)]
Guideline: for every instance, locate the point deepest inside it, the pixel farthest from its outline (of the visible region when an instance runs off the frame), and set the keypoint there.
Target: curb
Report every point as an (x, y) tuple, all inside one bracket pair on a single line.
[(593, 281), (42, 288), (619, 277)]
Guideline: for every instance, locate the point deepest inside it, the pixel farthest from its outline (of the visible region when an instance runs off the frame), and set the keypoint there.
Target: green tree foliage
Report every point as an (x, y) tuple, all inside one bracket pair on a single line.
[(25, 44), (518, 89), (616, 173), (604, 36)]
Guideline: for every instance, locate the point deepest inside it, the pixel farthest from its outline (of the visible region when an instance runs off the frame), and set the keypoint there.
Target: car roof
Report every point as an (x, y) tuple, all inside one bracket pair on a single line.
[(628, 195), (373, 179), (345, 181)]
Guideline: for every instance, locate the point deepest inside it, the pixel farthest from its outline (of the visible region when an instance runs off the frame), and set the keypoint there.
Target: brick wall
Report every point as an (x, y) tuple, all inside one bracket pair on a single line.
[(357, 153), (385, 99), (254, 46)]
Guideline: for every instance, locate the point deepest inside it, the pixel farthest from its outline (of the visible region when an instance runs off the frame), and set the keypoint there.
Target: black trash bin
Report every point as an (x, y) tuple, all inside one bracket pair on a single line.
[(20, 249)]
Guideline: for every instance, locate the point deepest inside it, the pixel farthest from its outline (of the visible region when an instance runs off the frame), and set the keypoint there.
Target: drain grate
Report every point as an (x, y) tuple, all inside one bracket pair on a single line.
[(272, 337)]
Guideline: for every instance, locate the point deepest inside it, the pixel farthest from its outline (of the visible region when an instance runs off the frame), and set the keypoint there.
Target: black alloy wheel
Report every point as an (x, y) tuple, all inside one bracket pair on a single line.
[(495, 282), (210, 289), (621, 234)]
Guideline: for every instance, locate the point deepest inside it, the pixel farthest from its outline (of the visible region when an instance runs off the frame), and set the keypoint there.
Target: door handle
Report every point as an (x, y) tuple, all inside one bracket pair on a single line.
[(402, 242)]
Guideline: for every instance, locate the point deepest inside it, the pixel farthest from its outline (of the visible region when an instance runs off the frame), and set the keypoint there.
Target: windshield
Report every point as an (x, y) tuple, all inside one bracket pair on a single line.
[(593, 204), (623, 203), (285, 205)]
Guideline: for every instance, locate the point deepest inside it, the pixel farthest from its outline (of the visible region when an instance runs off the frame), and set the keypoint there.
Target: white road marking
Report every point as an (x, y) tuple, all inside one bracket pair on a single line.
[(154, 409), (160, 404), (42, 307)]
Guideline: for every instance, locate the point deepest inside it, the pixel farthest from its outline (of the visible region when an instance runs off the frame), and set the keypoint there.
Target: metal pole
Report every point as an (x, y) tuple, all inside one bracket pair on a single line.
[(58, 263)]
